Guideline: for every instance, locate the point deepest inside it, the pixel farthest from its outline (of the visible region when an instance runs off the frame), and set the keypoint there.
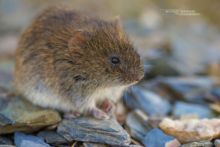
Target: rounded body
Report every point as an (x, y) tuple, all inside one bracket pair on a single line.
[(61, 61)]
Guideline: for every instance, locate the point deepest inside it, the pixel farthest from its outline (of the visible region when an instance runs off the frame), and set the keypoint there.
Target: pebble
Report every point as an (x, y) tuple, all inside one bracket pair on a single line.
[(17, 114), (191, 130), (147, 101), (23, 140), (88, 129), (198, 144), (137, 124), (156, 138), (52, 137)]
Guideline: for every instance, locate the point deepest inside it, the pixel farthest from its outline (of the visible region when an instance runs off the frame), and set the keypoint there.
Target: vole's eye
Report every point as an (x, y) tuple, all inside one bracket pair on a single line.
[(115, 60)]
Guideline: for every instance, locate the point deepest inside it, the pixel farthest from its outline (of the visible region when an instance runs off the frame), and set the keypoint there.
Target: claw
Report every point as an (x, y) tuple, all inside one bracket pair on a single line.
[(99, 114), (72, 115)]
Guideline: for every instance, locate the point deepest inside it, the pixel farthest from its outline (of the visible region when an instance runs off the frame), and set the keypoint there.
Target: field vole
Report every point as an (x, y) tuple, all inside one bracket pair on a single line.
[(74, 63)]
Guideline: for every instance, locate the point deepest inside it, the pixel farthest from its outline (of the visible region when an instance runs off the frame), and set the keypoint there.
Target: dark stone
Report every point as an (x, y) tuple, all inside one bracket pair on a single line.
[(87, 129), (52, 137)]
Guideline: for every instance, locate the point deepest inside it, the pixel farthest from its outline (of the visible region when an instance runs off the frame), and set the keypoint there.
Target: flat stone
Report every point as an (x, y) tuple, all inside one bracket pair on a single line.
[(17, 114), (183, 108), (23, 140), (192, 130), (147, 101), (137, 124), (192, 89), (88, 129), (156, 138), (217, 143), (198, 144), (52, 137)]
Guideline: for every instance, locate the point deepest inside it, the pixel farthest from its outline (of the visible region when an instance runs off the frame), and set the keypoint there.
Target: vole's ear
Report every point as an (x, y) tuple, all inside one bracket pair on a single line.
[(119, 27), (78, 39)]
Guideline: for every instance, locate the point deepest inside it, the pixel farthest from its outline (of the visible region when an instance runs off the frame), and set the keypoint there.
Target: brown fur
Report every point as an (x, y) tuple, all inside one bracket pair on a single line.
[(67, 54)]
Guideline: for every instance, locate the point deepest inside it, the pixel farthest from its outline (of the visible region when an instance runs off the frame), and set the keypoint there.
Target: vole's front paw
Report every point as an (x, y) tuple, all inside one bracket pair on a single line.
[(99, 114), (71, 115), (108, 107)]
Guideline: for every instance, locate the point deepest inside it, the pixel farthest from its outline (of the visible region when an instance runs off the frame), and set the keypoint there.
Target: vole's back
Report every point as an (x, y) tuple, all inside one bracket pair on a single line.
[(44, 42), (41, 45)]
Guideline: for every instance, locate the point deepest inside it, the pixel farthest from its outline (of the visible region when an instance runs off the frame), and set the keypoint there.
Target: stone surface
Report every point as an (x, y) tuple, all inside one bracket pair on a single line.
[(16, 114), (192, 89), (147, 101), (156, 138), (92, 130), (182, 108), (191, 130), (52, 137), (198, 144), (137, 124), (23, 140)]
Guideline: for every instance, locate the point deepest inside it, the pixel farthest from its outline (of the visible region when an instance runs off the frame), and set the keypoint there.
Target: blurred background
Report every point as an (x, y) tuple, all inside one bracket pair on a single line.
[(179, 37)]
